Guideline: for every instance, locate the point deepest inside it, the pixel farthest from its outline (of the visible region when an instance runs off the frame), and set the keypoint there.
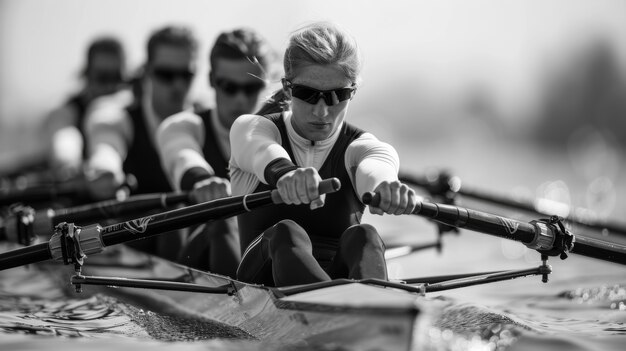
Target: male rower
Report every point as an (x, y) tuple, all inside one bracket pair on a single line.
[(123, 137), (195, 147)]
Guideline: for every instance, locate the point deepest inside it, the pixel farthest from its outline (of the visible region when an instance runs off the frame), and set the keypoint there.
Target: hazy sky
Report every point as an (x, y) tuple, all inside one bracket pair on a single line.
[(424, 52)]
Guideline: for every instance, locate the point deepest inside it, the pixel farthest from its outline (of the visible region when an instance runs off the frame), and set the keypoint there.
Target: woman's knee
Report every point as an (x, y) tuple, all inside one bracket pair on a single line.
[(287, 234), (360, 235)]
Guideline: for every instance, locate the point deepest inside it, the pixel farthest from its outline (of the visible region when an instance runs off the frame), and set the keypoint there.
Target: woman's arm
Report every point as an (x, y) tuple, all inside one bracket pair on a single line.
[(373, 166), (256, 148)]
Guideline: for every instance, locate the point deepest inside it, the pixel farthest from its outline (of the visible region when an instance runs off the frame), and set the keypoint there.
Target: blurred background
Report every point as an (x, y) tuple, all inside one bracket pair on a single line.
[(524, 97)]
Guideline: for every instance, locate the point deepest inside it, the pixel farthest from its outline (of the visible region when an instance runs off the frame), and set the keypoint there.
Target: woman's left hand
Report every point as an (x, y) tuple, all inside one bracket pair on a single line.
[(395, 198)]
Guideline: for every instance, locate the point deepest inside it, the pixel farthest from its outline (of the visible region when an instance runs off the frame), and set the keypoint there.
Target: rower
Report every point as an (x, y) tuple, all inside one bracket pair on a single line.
[(122, 134), (64, 131), (195, 147), (313, 238)]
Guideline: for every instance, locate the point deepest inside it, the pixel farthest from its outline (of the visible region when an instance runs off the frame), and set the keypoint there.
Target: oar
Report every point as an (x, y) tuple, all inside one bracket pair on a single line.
[(547, 237), (443, 183), (51, 191), (71, 243), (21, 225), (39, 193)]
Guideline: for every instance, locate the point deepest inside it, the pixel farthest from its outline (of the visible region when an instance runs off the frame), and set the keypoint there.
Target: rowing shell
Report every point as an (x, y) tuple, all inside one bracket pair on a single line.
[(348, 314)]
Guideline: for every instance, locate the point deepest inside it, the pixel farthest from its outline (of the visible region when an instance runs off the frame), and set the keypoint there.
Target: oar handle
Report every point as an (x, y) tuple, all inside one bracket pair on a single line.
[(326, 186), (373, 199)]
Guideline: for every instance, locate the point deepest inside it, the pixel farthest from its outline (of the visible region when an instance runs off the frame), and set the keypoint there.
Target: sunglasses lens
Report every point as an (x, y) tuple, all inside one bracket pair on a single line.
[(229, 88), (169, 75), (344, 94), (312, 96), (107, 77), (306, 94)]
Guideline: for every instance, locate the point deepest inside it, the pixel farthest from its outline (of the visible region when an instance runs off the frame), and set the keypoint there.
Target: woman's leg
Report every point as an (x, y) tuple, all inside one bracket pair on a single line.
[(361, 254), (291, 252), (287, 250)]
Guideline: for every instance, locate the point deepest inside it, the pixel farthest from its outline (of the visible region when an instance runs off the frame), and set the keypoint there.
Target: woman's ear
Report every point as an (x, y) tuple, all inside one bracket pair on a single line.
[(286, 89)]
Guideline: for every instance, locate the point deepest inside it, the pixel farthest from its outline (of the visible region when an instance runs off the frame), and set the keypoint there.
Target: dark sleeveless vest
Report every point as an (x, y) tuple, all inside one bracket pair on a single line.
[(143, 159), (212, 152), (341, 210)]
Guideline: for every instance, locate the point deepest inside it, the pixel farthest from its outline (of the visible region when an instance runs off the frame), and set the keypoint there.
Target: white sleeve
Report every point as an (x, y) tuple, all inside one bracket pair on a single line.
[(109, 131), (180, 138), (255, 142), (63, 140), (369, 162)]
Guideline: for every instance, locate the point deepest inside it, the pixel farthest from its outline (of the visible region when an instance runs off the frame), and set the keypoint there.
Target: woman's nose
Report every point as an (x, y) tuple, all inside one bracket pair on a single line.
[(320, 109)]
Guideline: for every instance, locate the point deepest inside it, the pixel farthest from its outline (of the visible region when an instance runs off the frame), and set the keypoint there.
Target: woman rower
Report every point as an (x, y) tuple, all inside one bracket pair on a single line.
[(292, 151)]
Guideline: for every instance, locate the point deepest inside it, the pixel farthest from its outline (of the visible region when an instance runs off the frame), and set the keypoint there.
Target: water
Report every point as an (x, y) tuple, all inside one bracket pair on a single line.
[(582, 307)]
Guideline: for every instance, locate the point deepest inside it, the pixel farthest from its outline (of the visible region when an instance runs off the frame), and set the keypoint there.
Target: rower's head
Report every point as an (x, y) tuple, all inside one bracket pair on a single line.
[(104, 71), (322, 66), (239, 61), (170, 68)]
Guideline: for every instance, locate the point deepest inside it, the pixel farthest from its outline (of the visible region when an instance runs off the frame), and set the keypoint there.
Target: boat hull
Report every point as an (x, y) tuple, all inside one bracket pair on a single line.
[(353, 316)]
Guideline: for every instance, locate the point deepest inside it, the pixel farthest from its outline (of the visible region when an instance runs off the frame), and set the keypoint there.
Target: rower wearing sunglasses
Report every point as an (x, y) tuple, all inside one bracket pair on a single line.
[(195, 147), (313, 238), (123, 136)]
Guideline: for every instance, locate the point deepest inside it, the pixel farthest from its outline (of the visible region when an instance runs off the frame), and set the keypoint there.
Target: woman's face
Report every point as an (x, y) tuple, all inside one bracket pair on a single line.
[(318, 121)]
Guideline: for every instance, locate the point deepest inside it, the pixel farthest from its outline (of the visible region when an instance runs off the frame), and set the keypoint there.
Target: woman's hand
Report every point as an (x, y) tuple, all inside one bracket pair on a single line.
[(395, 198), (300, 186), (210, 189)]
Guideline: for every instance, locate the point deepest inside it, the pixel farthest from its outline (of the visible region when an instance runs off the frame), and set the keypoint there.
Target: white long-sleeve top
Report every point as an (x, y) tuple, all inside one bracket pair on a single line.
[(256, 141), (180, 140)]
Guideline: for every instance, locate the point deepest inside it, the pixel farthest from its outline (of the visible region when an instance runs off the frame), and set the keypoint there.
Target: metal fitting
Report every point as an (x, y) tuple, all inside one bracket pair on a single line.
[(86, 240), (544, 237)]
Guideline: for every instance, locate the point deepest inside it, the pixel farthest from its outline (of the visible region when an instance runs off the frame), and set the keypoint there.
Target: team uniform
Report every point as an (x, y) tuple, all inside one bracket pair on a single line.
[(123, 141), (195, 147), (356, 157)]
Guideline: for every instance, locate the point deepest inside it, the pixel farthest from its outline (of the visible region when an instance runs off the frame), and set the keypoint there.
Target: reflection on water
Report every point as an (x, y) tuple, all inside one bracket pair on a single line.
[(71, 318)]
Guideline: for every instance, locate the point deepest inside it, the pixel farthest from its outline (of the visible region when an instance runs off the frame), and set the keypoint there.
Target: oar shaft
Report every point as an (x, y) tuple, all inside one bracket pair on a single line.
[(180, 218), (114, 208), (36, 193), (25, 255), (538, 206), (478, 221), (535, 235), (600, 249), (94, 237)]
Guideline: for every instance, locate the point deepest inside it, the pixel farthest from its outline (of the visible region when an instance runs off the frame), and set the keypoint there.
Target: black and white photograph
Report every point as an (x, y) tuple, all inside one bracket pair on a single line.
[(352, 175)]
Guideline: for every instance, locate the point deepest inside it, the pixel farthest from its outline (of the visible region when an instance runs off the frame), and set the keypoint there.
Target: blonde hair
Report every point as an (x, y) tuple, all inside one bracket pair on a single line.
[(322, 43)]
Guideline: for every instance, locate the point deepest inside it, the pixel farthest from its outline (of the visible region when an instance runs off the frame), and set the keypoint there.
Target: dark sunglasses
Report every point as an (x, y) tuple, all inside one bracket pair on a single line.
[(312, 95), (106, 77), (169, 75), (232, 88)]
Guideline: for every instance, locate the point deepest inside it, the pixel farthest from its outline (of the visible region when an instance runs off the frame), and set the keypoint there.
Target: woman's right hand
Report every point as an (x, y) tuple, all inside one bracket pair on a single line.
[(300, 186)]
